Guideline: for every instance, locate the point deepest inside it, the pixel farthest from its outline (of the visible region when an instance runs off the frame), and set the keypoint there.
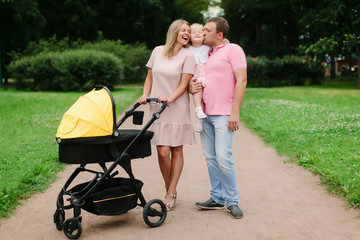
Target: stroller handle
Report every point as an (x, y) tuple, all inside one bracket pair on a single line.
[(156, 115), (152, 100), (156, 100)]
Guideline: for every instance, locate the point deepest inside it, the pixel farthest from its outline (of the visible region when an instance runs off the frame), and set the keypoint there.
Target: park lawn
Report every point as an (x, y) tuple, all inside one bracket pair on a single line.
[(316, 126), (28, 150)]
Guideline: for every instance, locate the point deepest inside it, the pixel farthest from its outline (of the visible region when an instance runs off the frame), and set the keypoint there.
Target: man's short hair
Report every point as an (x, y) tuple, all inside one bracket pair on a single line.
[(221, 25)]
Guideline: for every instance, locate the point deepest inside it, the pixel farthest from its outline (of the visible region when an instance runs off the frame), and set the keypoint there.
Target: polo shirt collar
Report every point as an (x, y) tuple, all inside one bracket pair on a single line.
[(218, 47)]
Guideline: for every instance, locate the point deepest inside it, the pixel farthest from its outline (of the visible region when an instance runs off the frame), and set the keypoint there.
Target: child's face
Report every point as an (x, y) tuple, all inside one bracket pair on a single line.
[(197, 34)]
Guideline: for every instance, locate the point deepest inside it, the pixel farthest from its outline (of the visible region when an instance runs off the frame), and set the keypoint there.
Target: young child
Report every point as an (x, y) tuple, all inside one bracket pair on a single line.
[(201, 53)]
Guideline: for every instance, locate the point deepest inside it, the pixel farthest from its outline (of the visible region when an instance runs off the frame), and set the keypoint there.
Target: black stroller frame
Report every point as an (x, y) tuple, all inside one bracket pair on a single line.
[(106, 194)]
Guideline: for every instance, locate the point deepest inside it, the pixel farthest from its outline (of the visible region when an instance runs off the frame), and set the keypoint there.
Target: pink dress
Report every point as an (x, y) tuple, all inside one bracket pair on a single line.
[(174, 127)]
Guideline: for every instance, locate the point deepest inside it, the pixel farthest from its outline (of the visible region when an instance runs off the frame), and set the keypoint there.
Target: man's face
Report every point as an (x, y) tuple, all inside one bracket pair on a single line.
[(210, 35)]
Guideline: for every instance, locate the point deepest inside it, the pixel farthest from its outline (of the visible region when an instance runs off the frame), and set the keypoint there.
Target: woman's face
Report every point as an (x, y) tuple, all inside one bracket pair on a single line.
[(184, 34), (197, 35)]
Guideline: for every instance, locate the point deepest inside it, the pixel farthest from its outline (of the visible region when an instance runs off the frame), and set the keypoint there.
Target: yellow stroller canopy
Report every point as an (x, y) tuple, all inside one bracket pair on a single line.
[(92, 115)]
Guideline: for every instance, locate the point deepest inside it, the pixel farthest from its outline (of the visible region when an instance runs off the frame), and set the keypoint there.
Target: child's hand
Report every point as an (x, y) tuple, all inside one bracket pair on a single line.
[(225, 41)]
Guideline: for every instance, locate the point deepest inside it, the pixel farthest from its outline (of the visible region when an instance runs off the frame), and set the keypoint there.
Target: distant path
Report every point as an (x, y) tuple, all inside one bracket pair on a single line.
[(280, 201)]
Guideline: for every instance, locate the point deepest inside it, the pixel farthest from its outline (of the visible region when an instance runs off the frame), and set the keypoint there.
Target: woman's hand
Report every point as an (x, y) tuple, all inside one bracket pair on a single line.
[(142, 99), (163, 98)]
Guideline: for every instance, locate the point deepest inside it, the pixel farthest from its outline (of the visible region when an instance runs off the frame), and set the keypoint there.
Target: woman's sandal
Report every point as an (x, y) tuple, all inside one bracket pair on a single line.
[(170, 207)]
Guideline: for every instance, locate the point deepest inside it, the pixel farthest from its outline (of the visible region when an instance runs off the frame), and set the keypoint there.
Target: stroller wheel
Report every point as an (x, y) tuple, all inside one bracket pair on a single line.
[(154, 213), (72, 228), (59, 218)]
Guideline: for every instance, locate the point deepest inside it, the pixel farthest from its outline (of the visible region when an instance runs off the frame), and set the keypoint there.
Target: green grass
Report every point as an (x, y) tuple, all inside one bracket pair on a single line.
[(316, 126), (28, 150)]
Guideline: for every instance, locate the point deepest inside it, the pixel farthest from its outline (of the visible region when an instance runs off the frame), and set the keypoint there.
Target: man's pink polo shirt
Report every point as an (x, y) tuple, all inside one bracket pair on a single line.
[(218, 95)]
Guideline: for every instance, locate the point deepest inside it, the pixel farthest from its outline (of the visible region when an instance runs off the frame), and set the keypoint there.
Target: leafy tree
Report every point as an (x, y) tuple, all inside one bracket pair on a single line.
[(352, 41), (321, 48), (67, 18), (332, 20), (20, 23), (1, 50), (262, 27), (130, 21), (146, 20), (350, 11)]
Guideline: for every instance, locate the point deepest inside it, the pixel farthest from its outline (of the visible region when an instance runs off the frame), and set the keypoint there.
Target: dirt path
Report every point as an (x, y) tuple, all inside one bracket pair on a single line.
[(279, 200)]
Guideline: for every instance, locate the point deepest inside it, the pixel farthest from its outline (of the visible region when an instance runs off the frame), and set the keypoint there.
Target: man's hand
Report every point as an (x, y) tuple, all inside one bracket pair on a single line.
[(233, 122), (241, 80), (194, 86)]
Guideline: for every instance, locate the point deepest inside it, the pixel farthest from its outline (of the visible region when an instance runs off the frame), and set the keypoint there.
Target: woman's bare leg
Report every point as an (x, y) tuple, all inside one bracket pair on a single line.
[(177, 163), (164, 163)]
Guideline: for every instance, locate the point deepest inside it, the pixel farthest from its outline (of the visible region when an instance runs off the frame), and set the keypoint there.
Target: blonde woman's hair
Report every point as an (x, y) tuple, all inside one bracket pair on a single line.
[(171, 36)]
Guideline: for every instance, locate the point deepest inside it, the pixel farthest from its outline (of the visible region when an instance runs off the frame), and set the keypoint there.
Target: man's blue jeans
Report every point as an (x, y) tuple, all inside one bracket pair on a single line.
[(216, 142)]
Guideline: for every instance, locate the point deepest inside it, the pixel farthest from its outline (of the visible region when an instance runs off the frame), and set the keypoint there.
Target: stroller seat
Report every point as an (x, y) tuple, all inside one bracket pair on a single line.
[(88, 131), (97, 150)]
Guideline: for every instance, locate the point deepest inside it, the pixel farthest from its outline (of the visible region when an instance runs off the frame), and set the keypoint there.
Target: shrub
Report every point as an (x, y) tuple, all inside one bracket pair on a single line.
[(133, 56), (257, 74), (289, 71), (71, 70), (46, 45)]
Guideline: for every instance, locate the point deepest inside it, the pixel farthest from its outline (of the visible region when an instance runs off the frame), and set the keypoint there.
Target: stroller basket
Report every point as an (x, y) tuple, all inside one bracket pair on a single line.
[(115, 196)]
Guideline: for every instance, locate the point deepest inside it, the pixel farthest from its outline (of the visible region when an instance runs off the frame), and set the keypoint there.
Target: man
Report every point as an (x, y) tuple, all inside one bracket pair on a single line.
[(226, 80)]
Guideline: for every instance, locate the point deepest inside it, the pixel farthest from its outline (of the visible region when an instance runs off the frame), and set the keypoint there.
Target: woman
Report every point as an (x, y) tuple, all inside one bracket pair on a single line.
[(170, 69)]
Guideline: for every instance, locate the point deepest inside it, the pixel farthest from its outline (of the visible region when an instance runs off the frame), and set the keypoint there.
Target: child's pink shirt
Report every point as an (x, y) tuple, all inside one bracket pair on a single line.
[(218, 95), (201, 55)]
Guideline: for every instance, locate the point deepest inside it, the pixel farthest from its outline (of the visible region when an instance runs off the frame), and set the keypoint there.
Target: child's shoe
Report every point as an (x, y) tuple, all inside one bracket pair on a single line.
[(201, 115), (199, 127)]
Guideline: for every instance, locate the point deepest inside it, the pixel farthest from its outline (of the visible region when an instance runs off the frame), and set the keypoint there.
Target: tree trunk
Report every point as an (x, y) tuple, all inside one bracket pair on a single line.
[(332, 75), (1, 76), (357, 48), (358, 70), (280, 34)]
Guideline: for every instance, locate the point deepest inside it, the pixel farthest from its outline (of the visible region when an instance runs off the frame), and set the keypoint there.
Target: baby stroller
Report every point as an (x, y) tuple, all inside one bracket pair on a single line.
[(88, 133)]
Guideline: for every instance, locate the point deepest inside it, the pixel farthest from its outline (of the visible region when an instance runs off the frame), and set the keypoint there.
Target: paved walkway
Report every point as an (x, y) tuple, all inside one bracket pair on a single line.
[(280, 201)]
